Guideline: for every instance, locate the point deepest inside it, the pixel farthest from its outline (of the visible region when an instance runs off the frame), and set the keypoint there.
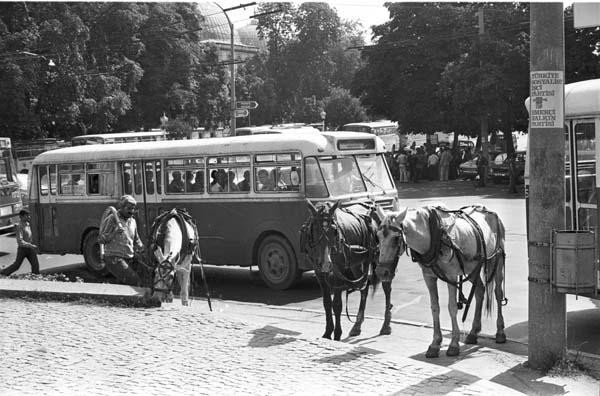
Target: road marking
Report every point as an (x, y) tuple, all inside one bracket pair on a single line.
[(416, 300)]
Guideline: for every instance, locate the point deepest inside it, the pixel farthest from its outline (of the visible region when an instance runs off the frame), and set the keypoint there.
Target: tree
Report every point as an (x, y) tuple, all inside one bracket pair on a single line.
[(582, 48), (342, 108)]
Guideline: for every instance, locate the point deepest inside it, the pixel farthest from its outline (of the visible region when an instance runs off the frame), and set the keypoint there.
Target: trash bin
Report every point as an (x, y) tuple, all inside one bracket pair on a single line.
[(574, 268)]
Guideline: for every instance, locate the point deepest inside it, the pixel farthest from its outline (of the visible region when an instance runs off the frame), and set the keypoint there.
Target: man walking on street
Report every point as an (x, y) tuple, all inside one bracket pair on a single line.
[(445, 158), (24, 246), (119, 240), (482, 164)]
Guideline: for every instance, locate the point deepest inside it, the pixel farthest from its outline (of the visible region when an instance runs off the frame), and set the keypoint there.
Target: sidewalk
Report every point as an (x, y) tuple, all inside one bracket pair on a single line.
[(53, 347)]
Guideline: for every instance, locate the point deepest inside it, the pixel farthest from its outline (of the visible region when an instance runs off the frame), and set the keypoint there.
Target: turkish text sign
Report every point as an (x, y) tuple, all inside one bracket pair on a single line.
[(547, 99), (246, 104)]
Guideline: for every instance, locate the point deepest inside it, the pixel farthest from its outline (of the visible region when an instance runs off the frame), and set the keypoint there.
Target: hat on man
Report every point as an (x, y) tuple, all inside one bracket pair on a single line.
[(125, 199), (23, 212)]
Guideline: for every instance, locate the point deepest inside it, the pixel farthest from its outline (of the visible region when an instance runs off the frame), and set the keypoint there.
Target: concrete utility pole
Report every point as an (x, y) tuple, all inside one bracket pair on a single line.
[(547, 309), (484, 117)]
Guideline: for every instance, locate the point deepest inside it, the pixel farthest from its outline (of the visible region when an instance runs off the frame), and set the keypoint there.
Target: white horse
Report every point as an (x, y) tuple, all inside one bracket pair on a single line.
[(455, 246), (174, 243)]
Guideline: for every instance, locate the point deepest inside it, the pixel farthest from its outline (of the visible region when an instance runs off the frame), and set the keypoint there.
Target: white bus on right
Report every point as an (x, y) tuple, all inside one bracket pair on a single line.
[(582, 120)]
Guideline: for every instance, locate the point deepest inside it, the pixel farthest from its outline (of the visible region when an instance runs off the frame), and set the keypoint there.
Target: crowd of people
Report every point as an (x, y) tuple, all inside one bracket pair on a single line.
[(427, 163)]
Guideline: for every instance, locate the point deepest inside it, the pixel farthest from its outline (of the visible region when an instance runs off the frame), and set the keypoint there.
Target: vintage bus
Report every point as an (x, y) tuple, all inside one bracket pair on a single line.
[(10, 195), (122, 137), (247, 193), (386, 130), (25, 152)]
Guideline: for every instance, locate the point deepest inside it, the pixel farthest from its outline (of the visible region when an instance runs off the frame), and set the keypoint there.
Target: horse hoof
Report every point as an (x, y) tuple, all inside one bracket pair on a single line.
[(184, 303), (432, 352), (452, 351), (387, 330), (471, 339), (327, 336), (354, 332), (500, 338)]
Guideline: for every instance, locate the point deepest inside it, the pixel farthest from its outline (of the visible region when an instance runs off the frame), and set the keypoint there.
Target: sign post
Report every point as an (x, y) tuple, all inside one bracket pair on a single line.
[(547, 308), (246, 104), (241, 113)]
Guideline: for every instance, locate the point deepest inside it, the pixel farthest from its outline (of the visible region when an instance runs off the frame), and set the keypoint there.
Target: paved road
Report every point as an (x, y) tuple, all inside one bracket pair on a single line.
[(72, 348)]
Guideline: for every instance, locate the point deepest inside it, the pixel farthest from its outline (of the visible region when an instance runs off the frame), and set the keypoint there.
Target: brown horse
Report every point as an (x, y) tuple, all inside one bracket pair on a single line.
[(454, 246), (342, 245)]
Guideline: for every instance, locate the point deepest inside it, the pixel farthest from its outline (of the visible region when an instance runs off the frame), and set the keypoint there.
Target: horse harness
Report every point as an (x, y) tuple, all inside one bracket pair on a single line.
[(190, 245), (340, 245), (439, 237)]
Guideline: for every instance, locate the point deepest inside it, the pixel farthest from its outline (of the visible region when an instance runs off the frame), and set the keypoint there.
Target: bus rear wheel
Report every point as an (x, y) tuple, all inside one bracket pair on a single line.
[(91, 253), (277, 263)]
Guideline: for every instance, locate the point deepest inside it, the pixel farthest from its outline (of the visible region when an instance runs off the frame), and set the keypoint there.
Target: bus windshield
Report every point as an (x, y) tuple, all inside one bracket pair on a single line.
[(344, 175)]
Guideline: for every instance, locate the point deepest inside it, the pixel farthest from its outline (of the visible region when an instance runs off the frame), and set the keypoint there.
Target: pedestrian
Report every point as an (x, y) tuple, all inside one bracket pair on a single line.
[(402, 161), (24, 246), (412, 166), (482, 163), (421, 163), (445, 158), (119, 241), (512, 174), (432, 165)]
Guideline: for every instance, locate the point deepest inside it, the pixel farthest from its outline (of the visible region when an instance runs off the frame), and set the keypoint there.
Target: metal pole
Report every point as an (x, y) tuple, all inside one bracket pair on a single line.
[(547, 308), (232, 72)]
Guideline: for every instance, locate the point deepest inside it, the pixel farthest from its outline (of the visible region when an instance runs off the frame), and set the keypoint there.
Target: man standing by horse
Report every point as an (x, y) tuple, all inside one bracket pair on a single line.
[(119, 241)]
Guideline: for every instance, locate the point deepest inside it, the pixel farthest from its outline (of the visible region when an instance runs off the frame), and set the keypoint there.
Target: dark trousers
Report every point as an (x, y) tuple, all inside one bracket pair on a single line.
[(126, 270), (23, 252)]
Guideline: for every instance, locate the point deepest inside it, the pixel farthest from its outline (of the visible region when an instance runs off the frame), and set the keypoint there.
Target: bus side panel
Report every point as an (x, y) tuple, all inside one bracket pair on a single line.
[(74, 220), (229, 230)]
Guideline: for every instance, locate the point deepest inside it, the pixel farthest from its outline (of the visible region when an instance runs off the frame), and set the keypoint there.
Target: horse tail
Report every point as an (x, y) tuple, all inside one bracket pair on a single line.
[(494, 266)]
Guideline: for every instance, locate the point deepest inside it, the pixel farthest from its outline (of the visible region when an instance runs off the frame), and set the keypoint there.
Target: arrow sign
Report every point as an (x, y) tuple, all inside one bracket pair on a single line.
[(246, 104), (241, 113)]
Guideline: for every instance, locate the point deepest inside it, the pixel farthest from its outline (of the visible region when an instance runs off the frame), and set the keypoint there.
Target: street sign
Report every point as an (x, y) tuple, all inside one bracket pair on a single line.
[(241, 113), (246, 104)]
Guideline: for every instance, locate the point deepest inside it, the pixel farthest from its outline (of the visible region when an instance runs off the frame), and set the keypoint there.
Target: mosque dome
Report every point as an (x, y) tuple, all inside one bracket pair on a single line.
[(215, 26)]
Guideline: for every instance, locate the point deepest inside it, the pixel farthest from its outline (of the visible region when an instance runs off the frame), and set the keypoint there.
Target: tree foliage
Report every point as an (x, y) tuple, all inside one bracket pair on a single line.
[(117, 66)]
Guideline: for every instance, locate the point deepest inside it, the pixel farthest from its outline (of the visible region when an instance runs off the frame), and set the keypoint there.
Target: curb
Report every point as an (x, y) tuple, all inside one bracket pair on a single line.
[(71, 291)]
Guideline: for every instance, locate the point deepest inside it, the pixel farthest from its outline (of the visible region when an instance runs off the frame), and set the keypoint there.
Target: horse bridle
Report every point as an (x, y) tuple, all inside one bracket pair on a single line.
[(397, 229)]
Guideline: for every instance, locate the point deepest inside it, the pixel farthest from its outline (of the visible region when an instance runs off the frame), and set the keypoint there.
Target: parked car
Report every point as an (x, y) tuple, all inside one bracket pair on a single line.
[(499, 167), (468, 169)]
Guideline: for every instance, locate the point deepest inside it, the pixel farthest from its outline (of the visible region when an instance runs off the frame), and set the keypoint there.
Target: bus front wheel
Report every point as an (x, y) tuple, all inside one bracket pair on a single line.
[(91, 253), (277, 263)]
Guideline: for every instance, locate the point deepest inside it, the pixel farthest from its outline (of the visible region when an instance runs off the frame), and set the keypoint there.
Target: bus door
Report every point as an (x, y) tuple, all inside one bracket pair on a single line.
[(45, 215), (132, 173), (581, 194), (152, 192)]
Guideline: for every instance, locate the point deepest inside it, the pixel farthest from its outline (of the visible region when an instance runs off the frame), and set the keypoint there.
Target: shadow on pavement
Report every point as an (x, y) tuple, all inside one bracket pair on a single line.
[(526, 380), (268, 336), (227, 283)]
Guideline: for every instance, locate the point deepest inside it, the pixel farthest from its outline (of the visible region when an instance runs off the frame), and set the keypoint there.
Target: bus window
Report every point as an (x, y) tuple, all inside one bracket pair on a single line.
[(586, 186), (100, 178), (273, 172), (227, 172), (138, 174), (71, 178), (127, 182), (374, 172), (342, 175), (149, 172), (315, 185), (185, 175), (53, 179), (43, 180)]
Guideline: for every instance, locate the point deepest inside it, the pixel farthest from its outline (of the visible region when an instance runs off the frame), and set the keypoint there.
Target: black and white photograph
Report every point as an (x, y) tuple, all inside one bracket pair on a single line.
[(345, 197)]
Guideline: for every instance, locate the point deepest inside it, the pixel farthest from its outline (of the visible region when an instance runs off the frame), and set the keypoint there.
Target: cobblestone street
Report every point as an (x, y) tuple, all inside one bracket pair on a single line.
[(74, 348)]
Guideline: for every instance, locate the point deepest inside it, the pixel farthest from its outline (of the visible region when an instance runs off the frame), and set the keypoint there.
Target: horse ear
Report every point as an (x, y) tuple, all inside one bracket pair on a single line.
[(396, 205), (335, 206), (380, 213), (311, 207), (402, 215)]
